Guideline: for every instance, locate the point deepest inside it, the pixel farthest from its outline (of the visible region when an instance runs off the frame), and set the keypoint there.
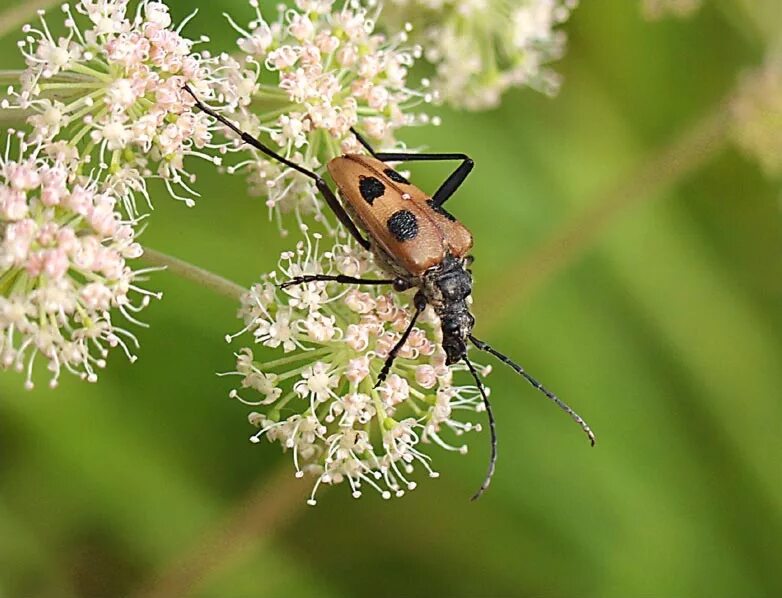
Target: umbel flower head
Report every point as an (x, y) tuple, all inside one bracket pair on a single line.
[(318, 398), (108, 95), (757, 115), (481, 48), (304, 77), (64, 252)]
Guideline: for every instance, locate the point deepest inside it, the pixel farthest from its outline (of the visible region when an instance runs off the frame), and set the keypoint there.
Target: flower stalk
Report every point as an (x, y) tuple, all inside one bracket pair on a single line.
[(203, 278)]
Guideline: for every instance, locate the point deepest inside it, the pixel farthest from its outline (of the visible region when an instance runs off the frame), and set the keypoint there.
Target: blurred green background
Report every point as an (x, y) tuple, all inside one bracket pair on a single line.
[(664, 333)]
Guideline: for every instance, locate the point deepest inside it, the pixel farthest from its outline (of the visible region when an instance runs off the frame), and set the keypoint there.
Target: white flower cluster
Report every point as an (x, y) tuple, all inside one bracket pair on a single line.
[(319, 399), (482, 48), (64, 252), (303, 80), (757, 115), (109, 95)]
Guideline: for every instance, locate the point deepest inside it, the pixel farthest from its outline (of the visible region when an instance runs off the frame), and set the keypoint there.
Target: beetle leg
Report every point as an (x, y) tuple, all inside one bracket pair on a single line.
[(324, 189), (339, 211), (339, 278), (451, 184), (362, 140), (420, 305)]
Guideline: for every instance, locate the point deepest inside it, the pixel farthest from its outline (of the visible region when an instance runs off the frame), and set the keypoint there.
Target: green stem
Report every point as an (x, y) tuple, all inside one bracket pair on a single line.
[(85, 70), (7, 280), (201, 277), (272, 91), (10, 75), (686, 154), (275, 412), (273, 114), (78, 85), (297, 357)]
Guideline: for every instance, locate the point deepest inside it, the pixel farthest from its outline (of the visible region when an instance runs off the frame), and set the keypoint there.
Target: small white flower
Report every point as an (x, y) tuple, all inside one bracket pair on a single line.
[(394, 390), (426, 376), (316, 382), (277, 331)]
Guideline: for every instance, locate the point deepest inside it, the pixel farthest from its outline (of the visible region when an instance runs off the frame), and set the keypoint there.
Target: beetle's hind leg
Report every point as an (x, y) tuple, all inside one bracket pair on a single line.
[(363, 141), (398, 283), (451, 184), (420, 304), (324, 189)]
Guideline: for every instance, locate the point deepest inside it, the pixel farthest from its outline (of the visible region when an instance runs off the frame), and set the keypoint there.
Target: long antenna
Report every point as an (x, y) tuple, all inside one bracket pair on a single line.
[(246, 137), (492, 429), (550, 395)]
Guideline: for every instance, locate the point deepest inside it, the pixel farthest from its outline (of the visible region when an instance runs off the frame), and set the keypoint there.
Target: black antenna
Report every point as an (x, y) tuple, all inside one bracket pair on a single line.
[(492, 429), (550, 395)]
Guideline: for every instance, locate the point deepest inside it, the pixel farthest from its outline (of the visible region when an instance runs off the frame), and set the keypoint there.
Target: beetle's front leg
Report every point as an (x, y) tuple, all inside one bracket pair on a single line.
[(399, 284), (419, 301)]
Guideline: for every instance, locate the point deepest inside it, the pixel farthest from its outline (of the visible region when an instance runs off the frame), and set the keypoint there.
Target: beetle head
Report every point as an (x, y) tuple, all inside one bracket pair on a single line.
[(454, 348)]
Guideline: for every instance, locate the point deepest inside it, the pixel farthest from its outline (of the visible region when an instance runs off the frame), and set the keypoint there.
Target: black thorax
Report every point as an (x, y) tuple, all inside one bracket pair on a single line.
[(447, 288)]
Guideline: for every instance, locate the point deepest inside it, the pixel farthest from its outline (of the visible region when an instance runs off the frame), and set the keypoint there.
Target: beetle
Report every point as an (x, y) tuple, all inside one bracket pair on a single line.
[(417, 242)]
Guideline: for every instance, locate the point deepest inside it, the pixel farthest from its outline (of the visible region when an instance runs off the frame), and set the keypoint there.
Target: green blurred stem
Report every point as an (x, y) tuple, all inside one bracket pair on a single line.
[(693, 148), (10, 75), (186, 270), (267, 509)]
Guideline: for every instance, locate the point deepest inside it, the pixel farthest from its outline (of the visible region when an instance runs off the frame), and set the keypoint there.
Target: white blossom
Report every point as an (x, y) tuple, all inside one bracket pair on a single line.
[(482, 48)]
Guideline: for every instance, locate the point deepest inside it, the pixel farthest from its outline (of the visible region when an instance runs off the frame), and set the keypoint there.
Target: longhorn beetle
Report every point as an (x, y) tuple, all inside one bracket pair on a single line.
[(416, 241)]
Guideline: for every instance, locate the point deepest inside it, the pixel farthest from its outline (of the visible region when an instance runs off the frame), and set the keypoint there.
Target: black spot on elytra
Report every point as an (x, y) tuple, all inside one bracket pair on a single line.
[(395, 176), (441, 210), (403, 225), (370, 188)]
